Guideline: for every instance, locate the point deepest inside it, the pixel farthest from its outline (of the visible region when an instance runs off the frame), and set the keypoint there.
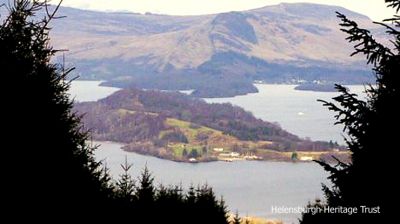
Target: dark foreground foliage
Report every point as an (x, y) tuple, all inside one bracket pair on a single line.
[(372, 125), (52, 174), (167, 204)]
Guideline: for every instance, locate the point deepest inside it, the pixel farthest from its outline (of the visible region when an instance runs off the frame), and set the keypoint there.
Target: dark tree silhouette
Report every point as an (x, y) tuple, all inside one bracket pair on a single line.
[(193, 153), (145, 191), (369, 180), (126, 185), (54, 171), (236, 219), (184, 152), (171, 205), (53, 174)]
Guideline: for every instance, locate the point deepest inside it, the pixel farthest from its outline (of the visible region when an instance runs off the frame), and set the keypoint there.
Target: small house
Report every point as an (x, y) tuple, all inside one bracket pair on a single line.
[(218, 149)]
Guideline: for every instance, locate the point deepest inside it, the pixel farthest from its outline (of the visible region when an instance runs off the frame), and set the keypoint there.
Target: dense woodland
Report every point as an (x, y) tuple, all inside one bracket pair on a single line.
[(225, 117)]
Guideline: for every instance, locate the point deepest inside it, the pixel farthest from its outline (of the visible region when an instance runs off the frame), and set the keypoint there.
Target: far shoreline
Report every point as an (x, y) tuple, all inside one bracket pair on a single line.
[(286, 156)]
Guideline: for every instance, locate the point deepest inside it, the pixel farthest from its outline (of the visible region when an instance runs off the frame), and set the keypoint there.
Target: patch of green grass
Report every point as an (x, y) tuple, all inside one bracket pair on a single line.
[(177, 149), (191, 131)]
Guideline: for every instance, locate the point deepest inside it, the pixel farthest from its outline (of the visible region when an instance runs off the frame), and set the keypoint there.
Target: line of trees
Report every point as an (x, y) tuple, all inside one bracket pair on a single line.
[(167, 204)]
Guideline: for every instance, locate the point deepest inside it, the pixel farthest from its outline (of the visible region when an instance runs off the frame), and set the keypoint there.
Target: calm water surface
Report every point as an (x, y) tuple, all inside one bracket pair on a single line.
[(85, 91), (296, 111), (252, 188)]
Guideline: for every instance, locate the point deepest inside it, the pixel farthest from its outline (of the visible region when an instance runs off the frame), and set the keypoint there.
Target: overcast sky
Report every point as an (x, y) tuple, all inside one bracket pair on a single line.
[(375, 9)]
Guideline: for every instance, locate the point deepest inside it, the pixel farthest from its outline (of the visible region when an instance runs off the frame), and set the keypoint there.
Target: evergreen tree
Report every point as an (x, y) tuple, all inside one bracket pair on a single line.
[(54, 174), (193, 153), (170, 204), (184, 153), (204, 150), (145, 192), (145, 196), (369, 179), (126, 185), (206, 203), (54, 171), (191, 196), (236, 218), (294, 156)]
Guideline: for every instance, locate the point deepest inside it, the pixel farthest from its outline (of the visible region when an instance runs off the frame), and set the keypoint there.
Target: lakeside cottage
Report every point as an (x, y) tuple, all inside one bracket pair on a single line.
[(218, 149)]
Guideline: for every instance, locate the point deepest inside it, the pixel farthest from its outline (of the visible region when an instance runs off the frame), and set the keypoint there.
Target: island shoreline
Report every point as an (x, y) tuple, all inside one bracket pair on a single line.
[(285, 158)]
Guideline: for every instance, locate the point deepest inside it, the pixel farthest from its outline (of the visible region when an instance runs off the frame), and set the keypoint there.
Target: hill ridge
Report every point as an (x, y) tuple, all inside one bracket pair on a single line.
[(171, 52)]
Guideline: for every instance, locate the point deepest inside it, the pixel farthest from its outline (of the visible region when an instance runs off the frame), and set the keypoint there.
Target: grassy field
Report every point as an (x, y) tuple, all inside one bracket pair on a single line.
[(192, 131), (211, 138)]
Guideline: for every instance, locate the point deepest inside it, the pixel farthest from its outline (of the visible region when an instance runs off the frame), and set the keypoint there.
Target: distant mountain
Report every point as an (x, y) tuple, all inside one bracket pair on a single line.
[(216, 55)]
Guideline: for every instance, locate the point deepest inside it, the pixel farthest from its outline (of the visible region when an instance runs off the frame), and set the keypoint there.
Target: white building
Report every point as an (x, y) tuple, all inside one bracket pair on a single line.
[(235, 154), (218, 149), (231, 154)]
